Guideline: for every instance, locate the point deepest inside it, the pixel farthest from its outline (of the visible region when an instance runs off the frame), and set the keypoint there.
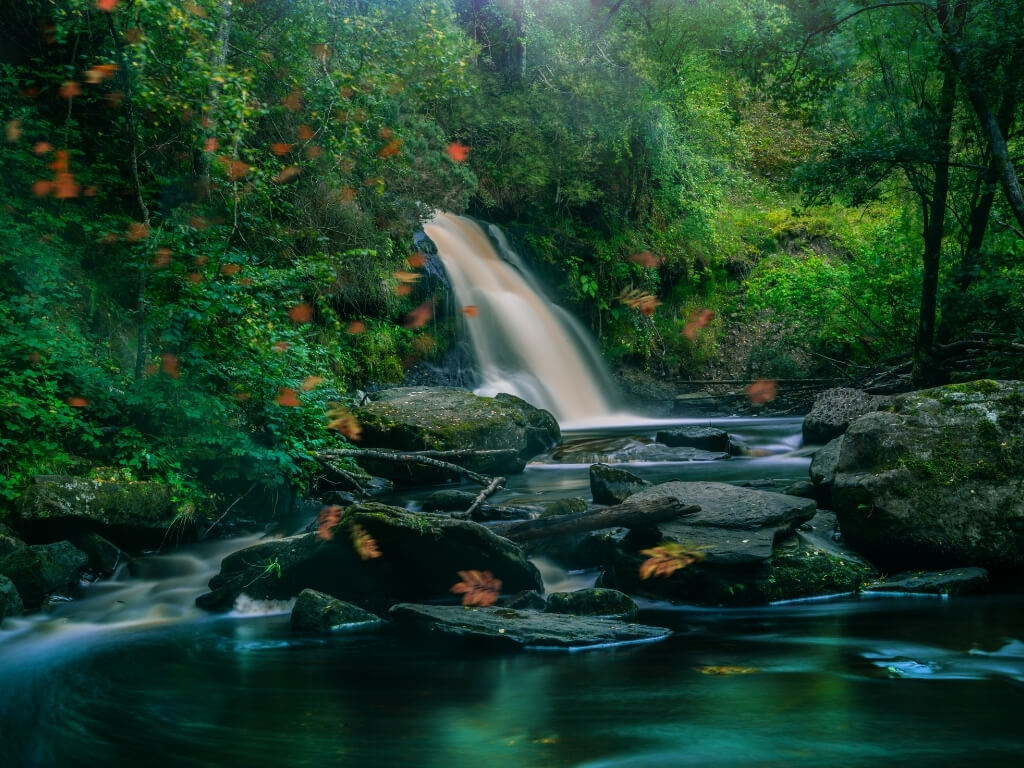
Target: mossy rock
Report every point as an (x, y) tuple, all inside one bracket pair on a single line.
[(132, 515), (593, 602), (613, 485), (43, 569), (937, 481), (420, 557), (316, 612)]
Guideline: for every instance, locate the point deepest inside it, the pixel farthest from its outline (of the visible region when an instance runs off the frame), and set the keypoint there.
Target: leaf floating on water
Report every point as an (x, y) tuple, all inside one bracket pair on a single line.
[(667, 558), (477, 588), (727, 670), (365, 544)]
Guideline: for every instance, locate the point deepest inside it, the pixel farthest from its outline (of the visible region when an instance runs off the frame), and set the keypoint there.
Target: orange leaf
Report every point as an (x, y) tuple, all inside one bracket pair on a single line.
[(169, 365), (210, 145), (195, 9), (403, 289), (293, 101), (328, 518), (407, 277), (416, 260), (41, 148), (13, 130), (356, 326), (311, 382), (161, 258), (477, 588), (242, 396), (646, 259), (230, 269), (42, 188), (78, 402), (195, 277), (762, 391), (313, 152), (281, 346), (287, 397), (305, 133), (70, 89), (343, 422), (391, 149), (419, 316), (470, 310), (666, 559), (458, 152), (236, 168), (280, 148), (287, 173), (106, 5), (347, 195), (137, 230), (364, 543), (65, 187), (301, 313), (61, 161)]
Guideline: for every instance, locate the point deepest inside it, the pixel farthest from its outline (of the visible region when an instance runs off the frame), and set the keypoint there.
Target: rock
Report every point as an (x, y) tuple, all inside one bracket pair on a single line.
[(449, 500), (802, 488), (612, 485), (527, 600), (42, 569), (593, 602), (8, 541), (569, 506), (823, 470), (833, 410), (811, 565), (705, 438), (104, 557), (420, 557), (316, 612), (447, 418), (937, 481), (10, 600), (132, 515), (954, 581), (734, 533), (620, 450), (511, 629)]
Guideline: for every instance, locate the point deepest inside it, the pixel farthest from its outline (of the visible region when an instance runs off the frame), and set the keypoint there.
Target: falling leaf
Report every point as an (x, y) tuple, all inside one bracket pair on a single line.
[(293, 101), (70, 89), (161, 258), (236, 169), (304, 132), (328, 518), (90, 191), (403, 290), (114, 99), (201, 260), (107, 5), (762, 391), (13, 131), (280, 148), (391, 149), (470, 310), (301, 313), (356, 326), (419, 316), (458, 152), (242, 396), (699, 318), (637, 299), (137, 231), (65, 187), (230, 269), (281, 346), (319, 51), (364, 543), (133, 35), (667, 558), (312, 152), (287, 173), (346, 92), (195, 9), (97, 74), (646, 259), (287, 397), (407, 277), (477, 588), (169, 365), (347, 195), (416, 260), (210, 145), (78, 402), (42, 187), (341, 420), (198, 222), (194, 277), (725, 670), (311, 382)]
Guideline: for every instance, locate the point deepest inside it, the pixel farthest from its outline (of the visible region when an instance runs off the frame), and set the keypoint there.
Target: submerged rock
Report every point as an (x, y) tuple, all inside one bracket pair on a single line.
[(419, 558), (937, 481), (132, 515), (448, 419), (733, 537), (834, 410), (593, 602), (954, 581), (613, 485), (43, 569), (511, 629), (316, 612), (10, 600), (705, 438)]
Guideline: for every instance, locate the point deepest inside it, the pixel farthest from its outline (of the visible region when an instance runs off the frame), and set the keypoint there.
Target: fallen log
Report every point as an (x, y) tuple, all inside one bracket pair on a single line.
[(425, 457), (629, 514)]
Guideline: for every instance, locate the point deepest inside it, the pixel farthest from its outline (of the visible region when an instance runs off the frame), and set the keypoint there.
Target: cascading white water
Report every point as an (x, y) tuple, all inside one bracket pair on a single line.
[(524, 344)]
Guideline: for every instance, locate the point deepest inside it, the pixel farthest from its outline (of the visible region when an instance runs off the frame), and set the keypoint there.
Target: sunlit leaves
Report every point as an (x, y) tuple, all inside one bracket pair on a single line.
[(477, 588), (665, 559)]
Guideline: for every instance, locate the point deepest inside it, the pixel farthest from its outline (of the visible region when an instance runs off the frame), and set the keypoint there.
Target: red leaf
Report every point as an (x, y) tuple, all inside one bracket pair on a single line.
[(458, 152), (106, 5), (287, 397)]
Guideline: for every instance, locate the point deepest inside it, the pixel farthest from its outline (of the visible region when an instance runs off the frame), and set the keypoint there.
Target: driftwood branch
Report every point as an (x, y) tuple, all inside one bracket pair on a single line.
[(494, 485), (342, 474), (629, 514), (420, 457)]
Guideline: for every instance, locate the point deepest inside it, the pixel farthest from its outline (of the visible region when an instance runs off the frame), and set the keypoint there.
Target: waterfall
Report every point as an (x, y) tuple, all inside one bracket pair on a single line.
[(523, 343)]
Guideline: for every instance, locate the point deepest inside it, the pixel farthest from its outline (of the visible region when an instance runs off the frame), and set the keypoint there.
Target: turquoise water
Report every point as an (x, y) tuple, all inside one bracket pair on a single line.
[(132, 674)]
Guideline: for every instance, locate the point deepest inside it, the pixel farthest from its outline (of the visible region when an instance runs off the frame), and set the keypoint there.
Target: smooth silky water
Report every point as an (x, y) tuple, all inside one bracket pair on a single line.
[(132, 673)]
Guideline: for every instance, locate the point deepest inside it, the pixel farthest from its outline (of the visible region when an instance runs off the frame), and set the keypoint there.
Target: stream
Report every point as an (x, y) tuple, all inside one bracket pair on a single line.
[(132, 673)]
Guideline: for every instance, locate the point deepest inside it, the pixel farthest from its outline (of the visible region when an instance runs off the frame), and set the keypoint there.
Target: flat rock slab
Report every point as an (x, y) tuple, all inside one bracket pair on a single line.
[(511, 629), (952, 581), (622, 450), (705, 438), (735, 526)]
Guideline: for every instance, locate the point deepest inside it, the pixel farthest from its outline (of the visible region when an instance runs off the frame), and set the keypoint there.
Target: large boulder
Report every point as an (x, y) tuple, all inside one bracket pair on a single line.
[(42, 570), (823, 471), (937, 481), (734, 534), (833, 410), (510, 629), (419, 558), (132, 515), (452, 419)]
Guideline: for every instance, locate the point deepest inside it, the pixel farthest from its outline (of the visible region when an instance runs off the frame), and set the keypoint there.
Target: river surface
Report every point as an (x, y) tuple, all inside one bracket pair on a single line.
[(131, 673)]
